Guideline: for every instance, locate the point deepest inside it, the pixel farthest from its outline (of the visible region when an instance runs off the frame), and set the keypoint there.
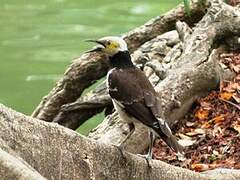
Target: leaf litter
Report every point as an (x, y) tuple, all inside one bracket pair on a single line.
[(210, 133)]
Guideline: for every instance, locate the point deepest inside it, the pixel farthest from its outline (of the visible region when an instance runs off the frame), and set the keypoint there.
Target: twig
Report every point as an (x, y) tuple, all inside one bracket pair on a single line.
[(229, 102)]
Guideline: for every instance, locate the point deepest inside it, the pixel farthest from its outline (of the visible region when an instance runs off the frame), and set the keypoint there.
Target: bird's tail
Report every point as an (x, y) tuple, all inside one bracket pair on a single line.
[(165, 133), (172, 142)]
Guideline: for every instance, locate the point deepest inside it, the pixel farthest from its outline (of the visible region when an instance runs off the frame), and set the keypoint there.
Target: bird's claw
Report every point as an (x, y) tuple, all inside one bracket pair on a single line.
[(120, 149), (148, 158)]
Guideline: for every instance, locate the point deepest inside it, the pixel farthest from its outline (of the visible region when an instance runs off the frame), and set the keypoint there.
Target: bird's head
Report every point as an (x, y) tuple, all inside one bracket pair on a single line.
[(109, 45)]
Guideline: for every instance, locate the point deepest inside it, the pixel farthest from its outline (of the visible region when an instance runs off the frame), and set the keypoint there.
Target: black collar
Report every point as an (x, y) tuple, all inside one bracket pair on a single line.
[(121, 60)]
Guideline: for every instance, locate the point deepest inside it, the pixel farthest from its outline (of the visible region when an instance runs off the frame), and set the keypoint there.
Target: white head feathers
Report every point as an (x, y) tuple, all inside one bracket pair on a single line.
[(113, 45)]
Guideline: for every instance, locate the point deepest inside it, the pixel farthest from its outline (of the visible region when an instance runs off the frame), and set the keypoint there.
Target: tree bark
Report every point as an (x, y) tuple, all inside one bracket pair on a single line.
[(56, 152), (74, 114), (12, 167), (82, 73)]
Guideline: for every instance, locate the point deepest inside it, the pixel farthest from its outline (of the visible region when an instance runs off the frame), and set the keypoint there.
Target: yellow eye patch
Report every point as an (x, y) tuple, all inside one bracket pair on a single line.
[(112, 45)]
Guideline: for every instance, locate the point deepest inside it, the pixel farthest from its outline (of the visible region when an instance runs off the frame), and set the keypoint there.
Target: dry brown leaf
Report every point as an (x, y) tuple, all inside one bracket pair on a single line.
[(214, 165), (202, 114), (206, 125), (182, 136), (200, 167), (190, 124), (226, 95), (236, 68), (216, 120), (232, 87), (196, 132), (216, 117), (215, 152), (236, 97), (205, 105), (237, 128), (219, 119), (186, 142), (226, 56)]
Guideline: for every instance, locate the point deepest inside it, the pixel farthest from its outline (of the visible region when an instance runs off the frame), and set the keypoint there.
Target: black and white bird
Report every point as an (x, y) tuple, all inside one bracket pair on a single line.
[(133, 95)]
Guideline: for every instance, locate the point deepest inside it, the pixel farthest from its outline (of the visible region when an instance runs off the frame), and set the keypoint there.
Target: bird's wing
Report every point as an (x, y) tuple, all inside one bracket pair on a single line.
[(132, 89), (153, 102)]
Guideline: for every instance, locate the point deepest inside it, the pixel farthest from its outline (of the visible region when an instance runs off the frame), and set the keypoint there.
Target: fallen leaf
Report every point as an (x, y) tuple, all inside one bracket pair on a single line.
[(216, 131), (237, 128), (214, 165), (190, 124), (206, 125), (196, 132), (226, 56), (236, 68), (226, 95), (236, 98), (216, 117), (209, 148), (182, 136), (186, 142), (216, 153), (200, 167), (205, 105), (216, 120), (230, 162), (219, 119), (231, 87), (202, 114), (199, 131)]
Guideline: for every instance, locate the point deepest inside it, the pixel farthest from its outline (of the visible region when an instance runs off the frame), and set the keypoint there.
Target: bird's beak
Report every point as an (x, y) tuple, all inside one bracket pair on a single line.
[(97, 41), (97, 48)]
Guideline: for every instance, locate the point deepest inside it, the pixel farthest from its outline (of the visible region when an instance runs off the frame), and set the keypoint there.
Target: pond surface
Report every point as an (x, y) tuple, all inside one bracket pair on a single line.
[(38, 39)]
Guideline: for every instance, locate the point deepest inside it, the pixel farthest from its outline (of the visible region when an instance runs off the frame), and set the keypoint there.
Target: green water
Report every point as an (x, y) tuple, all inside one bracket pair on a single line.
[(38, 39)]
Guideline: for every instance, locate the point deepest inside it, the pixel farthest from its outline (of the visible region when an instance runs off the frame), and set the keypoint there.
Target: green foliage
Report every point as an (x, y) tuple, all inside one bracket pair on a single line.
[(202, 2), (187, 7)]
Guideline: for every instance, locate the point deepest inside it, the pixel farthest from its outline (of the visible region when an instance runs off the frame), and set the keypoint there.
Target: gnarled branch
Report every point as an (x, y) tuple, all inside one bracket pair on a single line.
[(90, 67), (59, 153)]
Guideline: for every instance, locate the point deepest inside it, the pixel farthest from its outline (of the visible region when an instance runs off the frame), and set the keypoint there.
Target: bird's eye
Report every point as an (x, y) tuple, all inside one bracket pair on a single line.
[(108, 43)]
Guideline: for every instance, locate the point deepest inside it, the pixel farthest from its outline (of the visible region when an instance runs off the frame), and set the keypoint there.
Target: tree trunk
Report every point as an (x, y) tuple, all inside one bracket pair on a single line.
[(30, 147)]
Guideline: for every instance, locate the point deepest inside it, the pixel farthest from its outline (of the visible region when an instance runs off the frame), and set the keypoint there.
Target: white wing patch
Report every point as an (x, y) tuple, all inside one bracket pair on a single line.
[(118, 103), (108, 74), (161, 121), (164, 127)]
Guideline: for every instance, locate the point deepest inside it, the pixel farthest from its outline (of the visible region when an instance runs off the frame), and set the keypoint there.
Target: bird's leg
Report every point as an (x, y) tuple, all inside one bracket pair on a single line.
[(148, 156), (152, 137), (131, 130)]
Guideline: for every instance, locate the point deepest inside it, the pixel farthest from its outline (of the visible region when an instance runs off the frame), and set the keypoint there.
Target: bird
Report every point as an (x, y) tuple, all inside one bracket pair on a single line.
[(133, 96)]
